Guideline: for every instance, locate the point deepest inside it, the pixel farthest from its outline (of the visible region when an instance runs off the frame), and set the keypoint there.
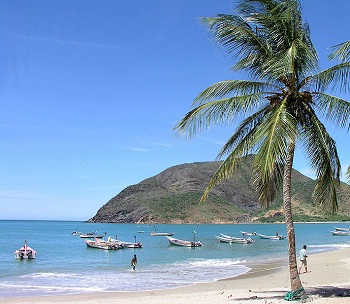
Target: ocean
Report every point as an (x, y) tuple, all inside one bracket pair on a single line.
[(65, 265)]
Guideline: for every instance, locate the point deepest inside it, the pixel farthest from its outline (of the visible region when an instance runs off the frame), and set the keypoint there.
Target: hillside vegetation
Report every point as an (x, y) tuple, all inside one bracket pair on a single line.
[(173, 195)]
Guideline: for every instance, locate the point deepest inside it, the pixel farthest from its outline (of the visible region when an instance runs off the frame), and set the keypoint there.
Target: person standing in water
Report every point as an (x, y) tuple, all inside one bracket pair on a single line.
[(134, 262)]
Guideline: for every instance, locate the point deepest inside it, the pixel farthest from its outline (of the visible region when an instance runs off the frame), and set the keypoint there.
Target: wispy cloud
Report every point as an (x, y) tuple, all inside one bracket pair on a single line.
[(136, 149), (6, 195), (213, 141), (159, 144), (149, 143), (73, 43)]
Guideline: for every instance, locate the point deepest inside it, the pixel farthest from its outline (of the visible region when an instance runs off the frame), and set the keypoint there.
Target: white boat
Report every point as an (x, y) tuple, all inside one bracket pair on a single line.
[(154, 233), (271, 237), (342, 229), (101, 244), (25, 252), (131, 245), (231, 239), (125, 244), (234, 240), (92, 235), (183, 243), (341, 233), (76, 232), (248, 233)]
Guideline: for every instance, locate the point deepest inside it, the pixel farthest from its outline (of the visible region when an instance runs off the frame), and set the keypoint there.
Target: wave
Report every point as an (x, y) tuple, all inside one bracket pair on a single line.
[(148, 278), (49, 275)]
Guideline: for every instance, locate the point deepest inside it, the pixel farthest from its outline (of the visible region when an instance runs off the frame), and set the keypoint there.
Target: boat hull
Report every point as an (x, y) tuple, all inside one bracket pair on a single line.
[(248, 233), (126, 244), (341, 233), (102, 245), (182, 243), (25, 253), (234, 240), (92, 236), (342, 229), (161, 234), (271, 237)]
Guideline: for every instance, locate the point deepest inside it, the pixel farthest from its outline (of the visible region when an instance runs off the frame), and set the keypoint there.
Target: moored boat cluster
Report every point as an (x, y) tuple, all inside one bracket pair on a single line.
[(96, 240)]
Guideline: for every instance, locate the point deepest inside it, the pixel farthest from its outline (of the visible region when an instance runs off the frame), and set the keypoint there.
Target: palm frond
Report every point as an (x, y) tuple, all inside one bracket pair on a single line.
[(233, 88), (335, 77), (222, 111), (243, 133), (298, 61), (229, 165), (275, 132), (341, 51), (238, 38), (286, 34), (324, 161), (218, 112), (335, 109)]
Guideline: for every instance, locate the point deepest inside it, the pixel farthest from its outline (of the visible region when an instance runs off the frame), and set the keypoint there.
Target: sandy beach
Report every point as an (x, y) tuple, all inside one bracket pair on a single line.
[(328, 281)]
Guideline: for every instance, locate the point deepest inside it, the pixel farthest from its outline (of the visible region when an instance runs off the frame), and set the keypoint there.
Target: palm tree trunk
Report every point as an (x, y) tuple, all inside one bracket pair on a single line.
[(287, 205)]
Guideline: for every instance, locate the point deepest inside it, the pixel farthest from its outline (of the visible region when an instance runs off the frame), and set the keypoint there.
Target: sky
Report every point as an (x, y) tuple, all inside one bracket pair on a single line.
[(90, 91)]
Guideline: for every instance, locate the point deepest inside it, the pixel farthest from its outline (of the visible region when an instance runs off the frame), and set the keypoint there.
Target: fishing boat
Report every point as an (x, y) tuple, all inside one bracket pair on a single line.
[(125, 244), (178, 242), (341, 233), (230, 239), (101, 244), (155, 233), (131, 245), (342, 229), (25, 252), (76, 232), (92, 235), (271, 237), (248, 233)]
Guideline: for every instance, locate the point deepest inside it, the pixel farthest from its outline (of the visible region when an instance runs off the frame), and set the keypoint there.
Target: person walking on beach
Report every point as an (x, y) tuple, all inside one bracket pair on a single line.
[(134, 262), (302, 258)]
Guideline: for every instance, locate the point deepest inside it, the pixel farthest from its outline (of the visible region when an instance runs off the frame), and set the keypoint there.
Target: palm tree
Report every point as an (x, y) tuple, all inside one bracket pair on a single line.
[(277, 107), (342, 52)]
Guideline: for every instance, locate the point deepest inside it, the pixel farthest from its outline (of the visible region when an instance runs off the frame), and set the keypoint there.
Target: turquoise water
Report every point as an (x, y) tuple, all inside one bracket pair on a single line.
[(64, 264)]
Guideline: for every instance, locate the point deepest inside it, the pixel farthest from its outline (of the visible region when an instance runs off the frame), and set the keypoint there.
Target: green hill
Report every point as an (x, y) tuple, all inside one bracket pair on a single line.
[(172, 196)]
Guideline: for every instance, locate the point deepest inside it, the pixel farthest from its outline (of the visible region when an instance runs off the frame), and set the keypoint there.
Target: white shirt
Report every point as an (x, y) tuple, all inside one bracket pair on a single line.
[(302, 254)]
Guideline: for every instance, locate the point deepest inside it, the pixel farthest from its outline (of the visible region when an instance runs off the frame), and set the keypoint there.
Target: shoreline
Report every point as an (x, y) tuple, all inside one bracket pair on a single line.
[(328, 281)]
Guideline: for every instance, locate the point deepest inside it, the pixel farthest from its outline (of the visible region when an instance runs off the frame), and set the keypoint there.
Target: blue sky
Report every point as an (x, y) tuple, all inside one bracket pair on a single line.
[(91, 90)]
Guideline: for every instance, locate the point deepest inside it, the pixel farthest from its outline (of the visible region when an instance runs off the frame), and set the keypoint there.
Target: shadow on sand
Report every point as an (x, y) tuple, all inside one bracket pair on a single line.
[(313, 292), (330, 291)]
